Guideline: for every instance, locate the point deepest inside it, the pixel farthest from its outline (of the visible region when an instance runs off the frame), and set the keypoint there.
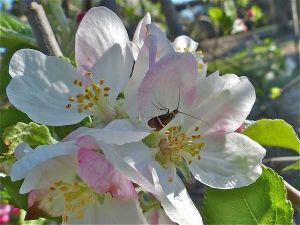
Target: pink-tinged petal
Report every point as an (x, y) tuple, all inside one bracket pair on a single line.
[(145, 60), (156, 216), (222, 103), (171, 78), (141, 31), (227, 161), (98, 31), (5, 208), (45, 203), (184, 43), (4, 219), (15, 211), (164, 45), (102, 177), (176, 203), (132, 160), (41, 86)]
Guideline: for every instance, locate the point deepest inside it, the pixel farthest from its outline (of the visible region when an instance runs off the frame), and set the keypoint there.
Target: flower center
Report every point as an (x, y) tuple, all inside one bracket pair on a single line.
[(76, 197), (93, 98), (175, 143)]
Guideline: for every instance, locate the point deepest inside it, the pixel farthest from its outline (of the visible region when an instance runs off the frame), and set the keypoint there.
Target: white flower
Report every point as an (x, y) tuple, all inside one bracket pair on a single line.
[(196, 129), (52, 92), (72, 179)]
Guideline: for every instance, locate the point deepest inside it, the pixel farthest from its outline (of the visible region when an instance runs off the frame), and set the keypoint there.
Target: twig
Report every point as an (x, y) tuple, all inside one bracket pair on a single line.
[(280, 162), (41, 27), (293, 195)]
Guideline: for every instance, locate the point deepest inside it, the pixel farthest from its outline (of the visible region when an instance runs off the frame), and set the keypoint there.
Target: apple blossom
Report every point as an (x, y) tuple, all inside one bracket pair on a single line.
[(72, 179), (52, 92), (202, 137)]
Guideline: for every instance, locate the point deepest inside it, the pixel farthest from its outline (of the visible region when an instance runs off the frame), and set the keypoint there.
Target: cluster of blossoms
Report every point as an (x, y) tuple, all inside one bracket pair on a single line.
[(172, 117), (6, 212)]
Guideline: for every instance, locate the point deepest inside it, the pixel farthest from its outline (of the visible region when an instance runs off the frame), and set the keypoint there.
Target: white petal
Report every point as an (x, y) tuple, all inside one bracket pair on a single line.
[(112, 211), (41, 86), (164, 45), (184, 43), (141, 30), (43, 158), (113, 70), (223, 103), (146, 58), (227, 161), (177, 203), (118, 132), (98, 31)]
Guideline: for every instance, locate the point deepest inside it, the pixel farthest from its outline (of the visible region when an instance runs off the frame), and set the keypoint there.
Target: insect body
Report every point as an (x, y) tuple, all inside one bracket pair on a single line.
[(159, 122)]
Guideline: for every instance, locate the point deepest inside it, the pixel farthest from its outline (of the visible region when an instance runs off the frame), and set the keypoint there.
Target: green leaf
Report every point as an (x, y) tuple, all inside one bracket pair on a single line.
[(12, 116), (11, 194), (32, 133), (216, 14), (263, 202), (276, 133), (14, 31), (293, 166)]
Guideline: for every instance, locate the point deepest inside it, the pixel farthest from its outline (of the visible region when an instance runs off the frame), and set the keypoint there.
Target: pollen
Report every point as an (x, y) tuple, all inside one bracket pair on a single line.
[(68, 106), (176, 143), (92, 97), (78, 83), (89, 73)]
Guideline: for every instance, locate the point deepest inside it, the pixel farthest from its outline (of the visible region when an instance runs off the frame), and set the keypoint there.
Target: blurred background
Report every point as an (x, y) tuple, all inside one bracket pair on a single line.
[(254, 38)]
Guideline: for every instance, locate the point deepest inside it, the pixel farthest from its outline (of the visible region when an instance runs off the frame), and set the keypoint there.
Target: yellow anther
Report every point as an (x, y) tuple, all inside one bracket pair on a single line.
[(106, 88), (68, 106), (89, 73), (63, 188), (80, 109), (71, 99), (80, 98), (105, 94), (101, 82), (196, 128), (52, 189), (200, 66), (78, 83)]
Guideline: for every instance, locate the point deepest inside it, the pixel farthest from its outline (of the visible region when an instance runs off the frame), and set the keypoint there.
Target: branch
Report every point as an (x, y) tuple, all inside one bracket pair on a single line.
[(279, 163), (293, 195), (41, 28)]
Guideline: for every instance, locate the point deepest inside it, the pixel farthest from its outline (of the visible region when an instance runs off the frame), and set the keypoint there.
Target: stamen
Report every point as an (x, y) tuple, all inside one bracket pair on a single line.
[(71, 99), (78, 83), (101, 82), (68, 106)]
